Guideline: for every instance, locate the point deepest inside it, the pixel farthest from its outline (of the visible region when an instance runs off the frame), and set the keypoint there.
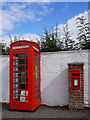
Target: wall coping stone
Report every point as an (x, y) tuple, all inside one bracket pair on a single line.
[(76, 63)]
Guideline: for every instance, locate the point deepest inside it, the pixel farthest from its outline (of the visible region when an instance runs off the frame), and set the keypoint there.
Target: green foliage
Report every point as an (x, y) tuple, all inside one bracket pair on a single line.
[(68, 41), (15, 38), (50, 41), (10, 39), (84, 33), (3, 49), (7, 50)]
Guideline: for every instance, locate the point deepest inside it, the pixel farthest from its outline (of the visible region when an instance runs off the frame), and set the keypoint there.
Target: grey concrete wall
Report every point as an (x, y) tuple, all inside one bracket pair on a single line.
[(54, 76)]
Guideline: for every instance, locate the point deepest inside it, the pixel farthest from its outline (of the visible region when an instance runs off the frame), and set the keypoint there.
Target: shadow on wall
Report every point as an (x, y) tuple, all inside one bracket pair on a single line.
[(5, 79), (56, 92)]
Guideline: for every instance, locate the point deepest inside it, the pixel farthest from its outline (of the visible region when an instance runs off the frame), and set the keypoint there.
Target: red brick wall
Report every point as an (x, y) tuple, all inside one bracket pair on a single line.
[(76, 96)]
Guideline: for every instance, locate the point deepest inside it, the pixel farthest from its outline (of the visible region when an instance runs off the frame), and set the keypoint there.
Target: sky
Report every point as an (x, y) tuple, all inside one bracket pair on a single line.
[(26, 19)]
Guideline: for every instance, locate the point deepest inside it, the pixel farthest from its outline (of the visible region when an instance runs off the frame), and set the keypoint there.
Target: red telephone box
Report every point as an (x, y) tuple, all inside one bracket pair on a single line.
[(24, 76), (75, 79)]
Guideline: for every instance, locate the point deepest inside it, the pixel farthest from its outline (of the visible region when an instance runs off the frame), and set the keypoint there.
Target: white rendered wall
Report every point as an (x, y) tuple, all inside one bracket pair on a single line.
[(54, 76), (5, 78), (0, 78), (89, 78)]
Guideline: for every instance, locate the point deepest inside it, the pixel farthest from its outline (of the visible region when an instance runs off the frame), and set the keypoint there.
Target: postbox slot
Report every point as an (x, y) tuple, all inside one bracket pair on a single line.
[(75, 79), (75, 74)]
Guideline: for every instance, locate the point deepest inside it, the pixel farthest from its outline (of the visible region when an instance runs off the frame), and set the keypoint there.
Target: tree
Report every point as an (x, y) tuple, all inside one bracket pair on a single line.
[(68, 42), (45, 41), (7, 50), (84, 33), (11, 41), (3, 48), (15, 38), (50, 42), (59, 41)]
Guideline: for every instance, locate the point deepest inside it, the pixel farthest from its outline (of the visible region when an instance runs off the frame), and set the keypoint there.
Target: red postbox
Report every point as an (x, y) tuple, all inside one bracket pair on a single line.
[(75, 79), (24, 76)]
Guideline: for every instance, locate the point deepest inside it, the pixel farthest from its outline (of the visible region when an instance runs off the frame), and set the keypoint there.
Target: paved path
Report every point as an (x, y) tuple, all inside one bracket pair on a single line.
[(44, 112)]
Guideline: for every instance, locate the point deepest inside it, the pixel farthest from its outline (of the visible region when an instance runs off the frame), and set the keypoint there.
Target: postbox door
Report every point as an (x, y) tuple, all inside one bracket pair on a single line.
[(75, 79)]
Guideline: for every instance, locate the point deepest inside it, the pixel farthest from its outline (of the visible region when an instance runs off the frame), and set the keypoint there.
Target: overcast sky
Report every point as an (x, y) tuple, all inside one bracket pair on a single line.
[(28, 18)]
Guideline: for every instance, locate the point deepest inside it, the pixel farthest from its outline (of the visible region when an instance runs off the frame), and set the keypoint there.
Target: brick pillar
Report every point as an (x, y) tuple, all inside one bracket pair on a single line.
[(76, 85)]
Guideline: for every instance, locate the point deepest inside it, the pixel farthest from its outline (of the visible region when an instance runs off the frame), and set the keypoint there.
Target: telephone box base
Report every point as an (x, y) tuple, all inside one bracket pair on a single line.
[(24, 110)]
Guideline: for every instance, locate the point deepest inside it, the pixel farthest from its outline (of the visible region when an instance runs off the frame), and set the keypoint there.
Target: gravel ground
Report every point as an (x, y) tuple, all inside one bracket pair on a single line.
[(44, 112)]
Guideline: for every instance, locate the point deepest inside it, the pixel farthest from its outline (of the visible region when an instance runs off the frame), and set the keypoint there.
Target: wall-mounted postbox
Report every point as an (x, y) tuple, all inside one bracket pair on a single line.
[(75, 79), (76, 85), (24, 76)]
